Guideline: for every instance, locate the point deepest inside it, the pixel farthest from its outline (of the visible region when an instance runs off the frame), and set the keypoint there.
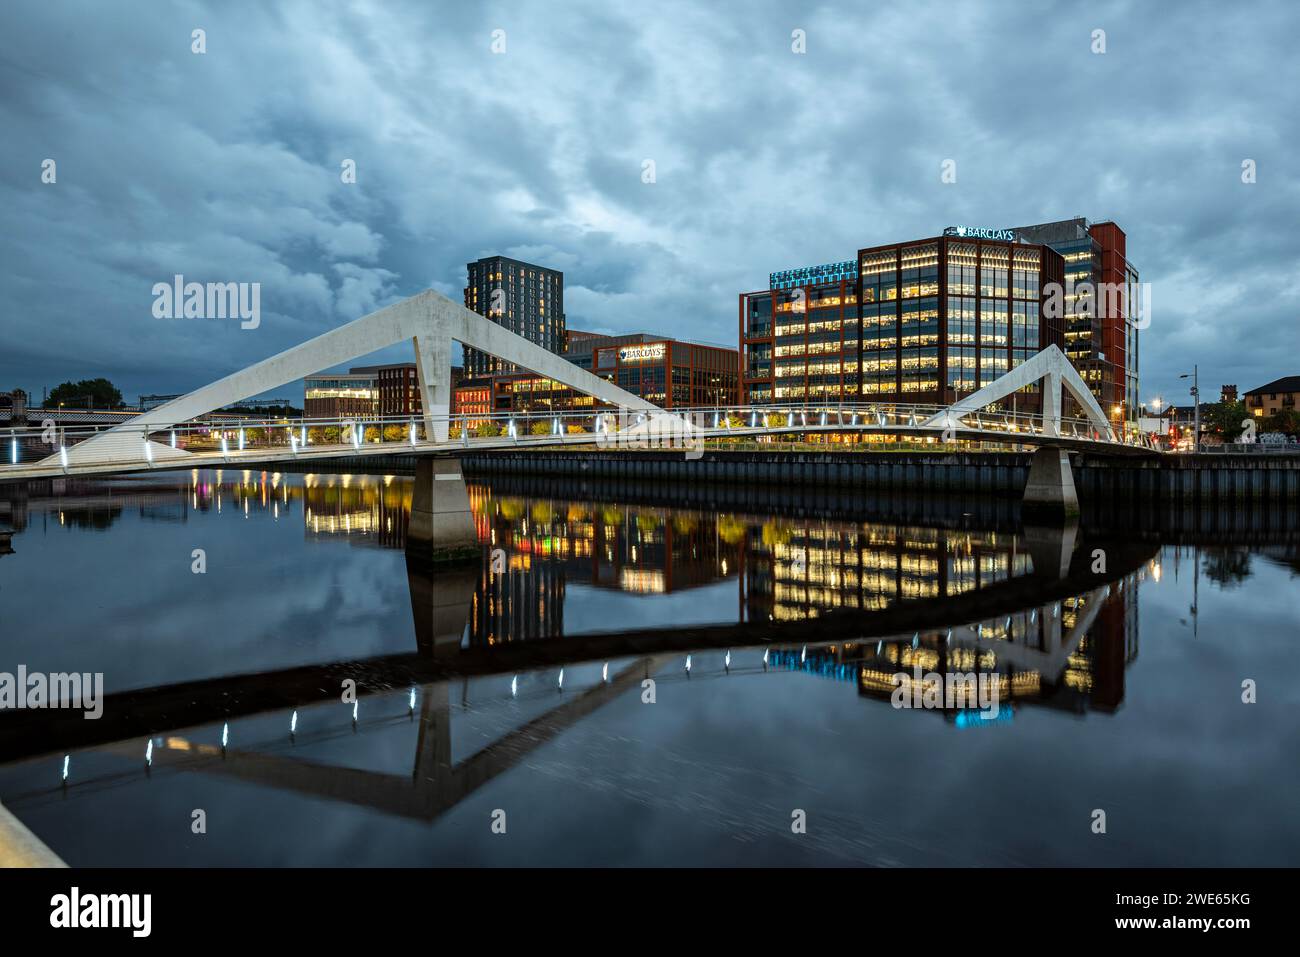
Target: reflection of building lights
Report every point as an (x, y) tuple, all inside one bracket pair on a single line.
[(1155, 570)]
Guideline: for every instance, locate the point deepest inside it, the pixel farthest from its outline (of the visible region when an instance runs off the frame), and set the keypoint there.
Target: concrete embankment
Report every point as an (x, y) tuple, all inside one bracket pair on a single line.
[(1184, 480)]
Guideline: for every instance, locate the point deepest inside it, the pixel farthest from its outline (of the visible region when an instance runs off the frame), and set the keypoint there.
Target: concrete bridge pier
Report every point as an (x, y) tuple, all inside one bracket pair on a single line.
[(1051, 548), (442, 525), (441, 600), (1049, 492)]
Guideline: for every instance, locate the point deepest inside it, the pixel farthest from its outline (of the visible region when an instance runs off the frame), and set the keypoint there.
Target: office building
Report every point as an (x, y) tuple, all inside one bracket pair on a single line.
[(932, 320), (926, 321), (1101, 327)]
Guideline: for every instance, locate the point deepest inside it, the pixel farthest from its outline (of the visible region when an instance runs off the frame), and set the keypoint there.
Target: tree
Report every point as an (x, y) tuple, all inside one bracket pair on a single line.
[(1229, 567), (1224, 418), (88, 393), (1283, 420)]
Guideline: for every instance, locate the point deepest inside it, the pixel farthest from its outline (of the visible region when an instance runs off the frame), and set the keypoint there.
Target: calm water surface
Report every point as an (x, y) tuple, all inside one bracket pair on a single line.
[(1119, 689)]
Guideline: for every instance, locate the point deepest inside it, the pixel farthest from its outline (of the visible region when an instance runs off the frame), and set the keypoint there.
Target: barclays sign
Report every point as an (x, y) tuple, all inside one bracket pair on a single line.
[(980, 232)]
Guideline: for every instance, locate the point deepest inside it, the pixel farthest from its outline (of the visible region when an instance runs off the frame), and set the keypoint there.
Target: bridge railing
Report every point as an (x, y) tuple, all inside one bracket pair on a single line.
[(244, 439)]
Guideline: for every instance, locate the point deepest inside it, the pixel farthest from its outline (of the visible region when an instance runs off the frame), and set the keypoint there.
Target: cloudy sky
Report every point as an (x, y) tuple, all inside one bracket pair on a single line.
[(225, 166)]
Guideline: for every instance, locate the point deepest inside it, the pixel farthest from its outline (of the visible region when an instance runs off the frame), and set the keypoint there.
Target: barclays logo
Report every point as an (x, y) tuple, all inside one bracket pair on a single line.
[(980, 232)]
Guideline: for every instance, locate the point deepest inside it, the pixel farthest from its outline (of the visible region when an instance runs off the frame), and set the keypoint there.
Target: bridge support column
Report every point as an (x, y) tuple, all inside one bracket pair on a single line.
[(1051, 547), (433, 373), (1050, 493), (442, 598), (442, 526), (1052, 403)]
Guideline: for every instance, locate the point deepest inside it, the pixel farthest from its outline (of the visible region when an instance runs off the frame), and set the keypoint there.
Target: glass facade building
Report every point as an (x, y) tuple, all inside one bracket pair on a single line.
[(1101, 320), (525, 298), (927, 321)]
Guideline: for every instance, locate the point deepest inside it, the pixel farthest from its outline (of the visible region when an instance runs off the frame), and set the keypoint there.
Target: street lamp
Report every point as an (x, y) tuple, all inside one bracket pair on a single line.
[(1196, 415)]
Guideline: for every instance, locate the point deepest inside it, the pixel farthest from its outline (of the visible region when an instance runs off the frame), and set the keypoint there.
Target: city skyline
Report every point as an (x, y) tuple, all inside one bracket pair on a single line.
[(249, 189)]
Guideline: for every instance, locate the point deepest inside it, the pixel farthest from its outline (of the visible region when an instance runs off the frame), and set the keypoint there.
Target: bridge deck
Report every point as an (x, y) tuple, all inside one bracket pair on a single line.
[(690, 441)]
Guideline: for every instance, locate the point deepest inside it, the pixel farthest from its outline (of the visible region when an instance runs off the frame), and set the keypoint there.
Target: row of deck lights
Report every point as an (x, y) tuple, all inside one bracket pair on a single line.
[(602, 426), (559, 685), (295, 442)]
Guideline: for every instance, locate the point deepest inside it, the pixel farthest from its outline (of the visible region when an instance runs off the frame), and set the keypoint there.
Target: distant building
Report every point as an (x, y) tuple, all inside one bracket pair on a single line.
[(523, 297), (148, 402), (572, 336), (1228, 393), (473, 399), (385, 391), (281, 406), (398, 386), (581, 351), (1276, 396), (13, 406), (340, 396), (668, 372)]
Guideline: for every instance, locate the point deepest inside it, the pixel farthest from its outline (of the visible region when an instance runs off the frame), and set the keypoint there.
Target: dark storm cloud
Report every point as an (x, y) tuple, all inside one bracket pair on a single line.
[(225, 166)]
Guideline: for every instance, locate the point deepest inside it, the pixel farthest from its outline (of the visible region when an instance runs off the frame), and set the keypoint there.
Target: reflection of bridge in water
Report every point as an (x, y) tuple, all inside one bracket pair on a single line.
[(872, 597)]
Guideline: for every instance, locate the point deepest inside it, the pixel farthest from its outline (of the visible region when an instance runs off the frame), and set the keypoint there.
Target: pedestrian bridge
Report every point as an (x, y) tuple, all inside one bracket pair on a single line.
[(179, 434)]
